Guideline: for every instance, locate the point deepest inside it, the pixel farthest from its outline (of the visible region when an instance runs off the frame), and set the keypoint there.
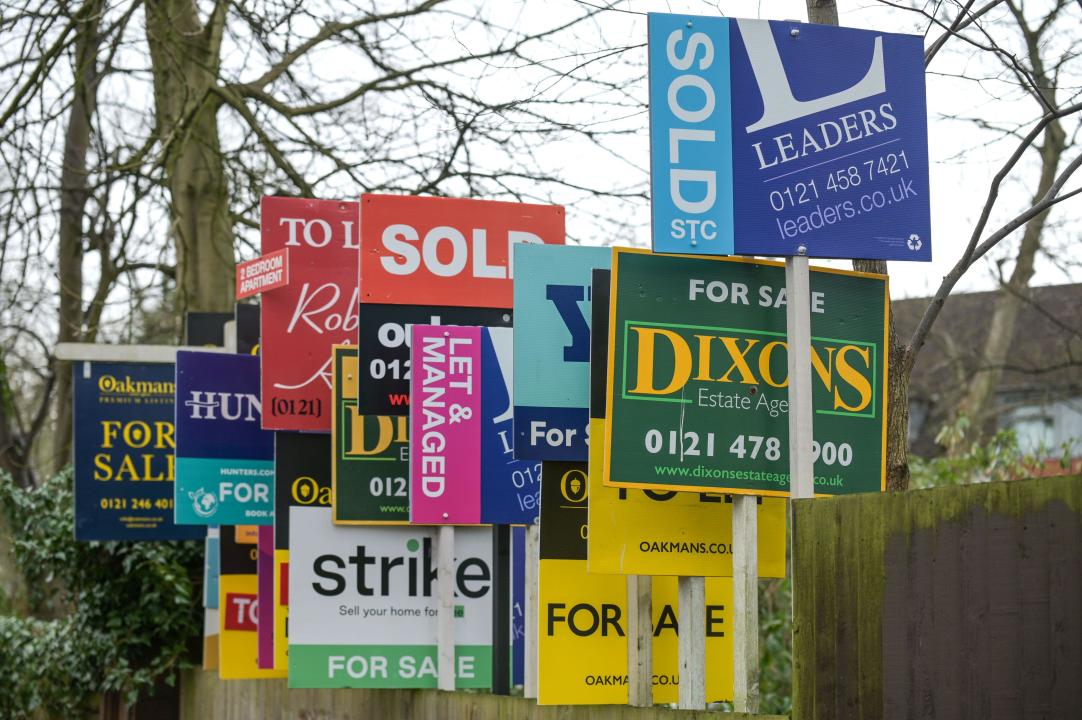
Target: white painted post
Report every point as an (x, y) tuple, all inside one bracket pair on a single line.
[(745, 603), (640, 641), (445, 579), (798, 329), (691, 593), (530, 624), (103, 352), (229, 330)]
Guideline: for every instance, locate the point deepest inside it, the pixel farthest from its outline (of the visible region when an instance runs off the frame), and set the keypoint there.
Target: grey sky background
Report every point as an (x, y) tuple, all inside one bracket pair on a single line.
[(962, 82)]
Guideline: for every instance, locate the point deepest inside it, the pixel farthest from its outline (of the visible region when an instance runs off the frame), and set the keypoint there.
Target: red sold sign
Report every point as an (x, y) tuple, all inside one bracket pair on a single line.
[(441, 251), (318, 308)]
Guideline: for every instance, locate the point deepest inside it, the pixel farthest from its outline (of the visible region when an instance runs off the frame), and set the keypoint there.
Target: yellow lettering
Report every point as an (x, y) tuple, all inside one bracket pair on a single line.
[(740, 363), (304, 490), (109, 431), (148, 469), (857, 381), (127, 466), (764, 364), (357, 434), (137, 434), (825, 372), (102, 470), (645, 374), (163, 434), (704, 356)]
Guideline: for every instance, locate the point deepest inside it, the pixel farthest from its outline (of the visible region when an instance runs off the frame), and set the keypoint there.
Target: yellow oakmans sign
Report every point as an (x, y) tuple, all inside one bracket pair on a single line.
[(664, 532), (582, 637), (583, 623)]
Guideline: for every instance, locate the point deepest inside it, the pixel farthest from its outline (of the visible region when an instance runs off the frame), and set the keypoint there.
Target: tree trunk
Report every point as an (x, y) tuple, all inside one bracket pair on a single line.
[(74, 194), (185, 58), (822, 12), (825, 12), (13, 453)]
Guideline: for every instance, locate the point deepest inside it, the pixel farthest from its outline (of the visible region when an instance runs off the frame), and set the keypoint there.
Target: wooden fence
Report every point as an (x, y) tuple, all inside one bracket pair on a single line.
[(203, 697), (956, 602)]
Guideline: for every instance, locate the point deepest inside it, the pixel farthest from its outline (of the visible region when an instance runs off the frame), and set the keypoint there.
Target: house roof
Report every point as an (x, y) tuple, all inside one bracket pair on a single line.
[(1046, 351)]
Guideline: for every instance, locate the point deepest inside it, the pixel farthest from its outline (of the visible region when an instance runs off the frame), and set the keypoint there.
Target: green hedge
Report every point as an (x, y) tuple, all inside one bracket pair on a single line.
[(124, 612)]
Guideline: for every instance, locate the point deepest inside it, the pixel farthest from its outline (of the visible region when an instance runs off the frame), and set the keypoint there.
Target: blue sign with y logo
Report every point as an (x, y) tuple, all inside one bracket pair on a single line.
[(782, 138), (552, 341)]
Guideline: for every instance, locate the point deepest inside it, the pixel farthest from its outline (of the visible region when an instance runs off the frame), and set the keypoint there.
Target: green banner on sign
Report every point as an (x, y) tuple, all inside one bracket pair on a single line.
[(698, 376)]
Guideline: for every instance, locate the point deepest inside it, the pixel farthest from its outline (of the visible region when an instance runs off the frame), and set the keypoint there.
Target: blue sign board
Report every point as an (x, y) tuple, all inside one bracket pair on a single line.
[(123, 448), (783, 138), (510, 488), (518, 605), (552, 341), (225, 460)]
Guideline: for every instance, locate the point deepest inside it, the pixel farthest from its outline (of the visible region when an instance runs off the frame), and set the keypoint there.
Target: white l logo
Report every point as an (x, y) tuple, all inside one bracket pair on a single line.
[(779, 105)]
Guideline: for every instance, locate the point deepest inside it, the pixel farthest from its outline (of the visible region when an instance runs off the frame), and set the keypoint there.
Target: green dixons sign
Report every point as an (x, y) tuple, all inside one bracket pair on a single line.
[(698, 376)]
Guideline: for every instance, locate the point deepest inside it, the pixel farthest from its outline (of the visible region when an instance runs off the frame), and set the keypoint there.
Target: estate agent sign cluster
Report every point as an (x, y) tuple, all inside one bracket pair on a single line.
[(421, 373)]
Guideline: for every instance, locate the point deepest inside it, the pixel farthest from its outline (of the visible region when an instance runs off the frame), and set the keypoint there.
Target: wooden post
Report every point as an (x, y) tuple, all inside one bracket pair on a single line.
[(745, 603), (692, 622), (445, 633), (531, 612), (640, 641)]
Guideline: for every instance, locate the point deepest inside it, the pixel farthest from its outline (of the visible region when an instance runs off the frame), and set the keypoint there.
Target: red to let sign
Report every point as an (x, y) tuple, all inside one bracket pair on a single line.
[(443, 251), (241, 612), (268, 272), (318, 309)]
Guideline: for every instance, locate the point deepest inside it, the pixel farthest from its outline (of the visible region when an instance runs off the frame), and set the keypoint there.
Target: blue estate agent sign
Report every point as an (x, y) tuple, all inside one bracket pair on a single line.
[(552, 349), (225, 460), (767, 137), (123, 452), (510, 488)]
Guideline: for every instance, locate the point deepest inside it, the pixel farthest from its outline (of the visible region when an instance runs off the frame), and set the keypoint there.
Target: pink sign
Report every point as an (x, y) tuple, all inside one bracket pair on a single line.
[(265, 597), (445, 425)]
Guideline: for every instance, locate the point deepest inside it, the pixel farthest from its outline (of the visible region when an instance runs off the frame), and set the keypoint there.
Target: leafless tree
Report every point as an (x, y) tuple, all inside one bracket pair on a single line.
[(138, 137), (1033, 54)]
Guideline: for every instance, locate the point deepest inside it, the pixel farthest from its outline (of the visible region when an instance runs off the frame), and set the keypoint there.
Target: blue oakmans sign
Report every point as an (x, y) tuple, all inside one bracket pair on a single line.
[(777, 138), (124, 453)]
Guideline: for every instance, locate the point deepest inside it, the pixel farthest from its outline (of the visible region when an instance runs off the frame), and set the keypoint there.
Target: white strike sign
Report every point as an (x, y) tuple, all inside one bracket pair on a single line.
[(364, 603)]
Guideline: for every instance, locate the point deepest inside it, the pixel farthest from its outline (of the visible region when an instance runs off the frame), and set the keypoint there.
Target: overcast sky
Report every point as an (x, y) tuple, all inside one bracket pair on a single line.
[(963, 161)]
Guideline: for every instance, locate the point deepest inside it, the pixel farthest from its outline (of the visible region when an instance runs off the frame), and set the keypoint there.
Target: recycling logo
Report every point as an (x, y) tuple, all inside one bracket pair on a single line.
[(914, 242)]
